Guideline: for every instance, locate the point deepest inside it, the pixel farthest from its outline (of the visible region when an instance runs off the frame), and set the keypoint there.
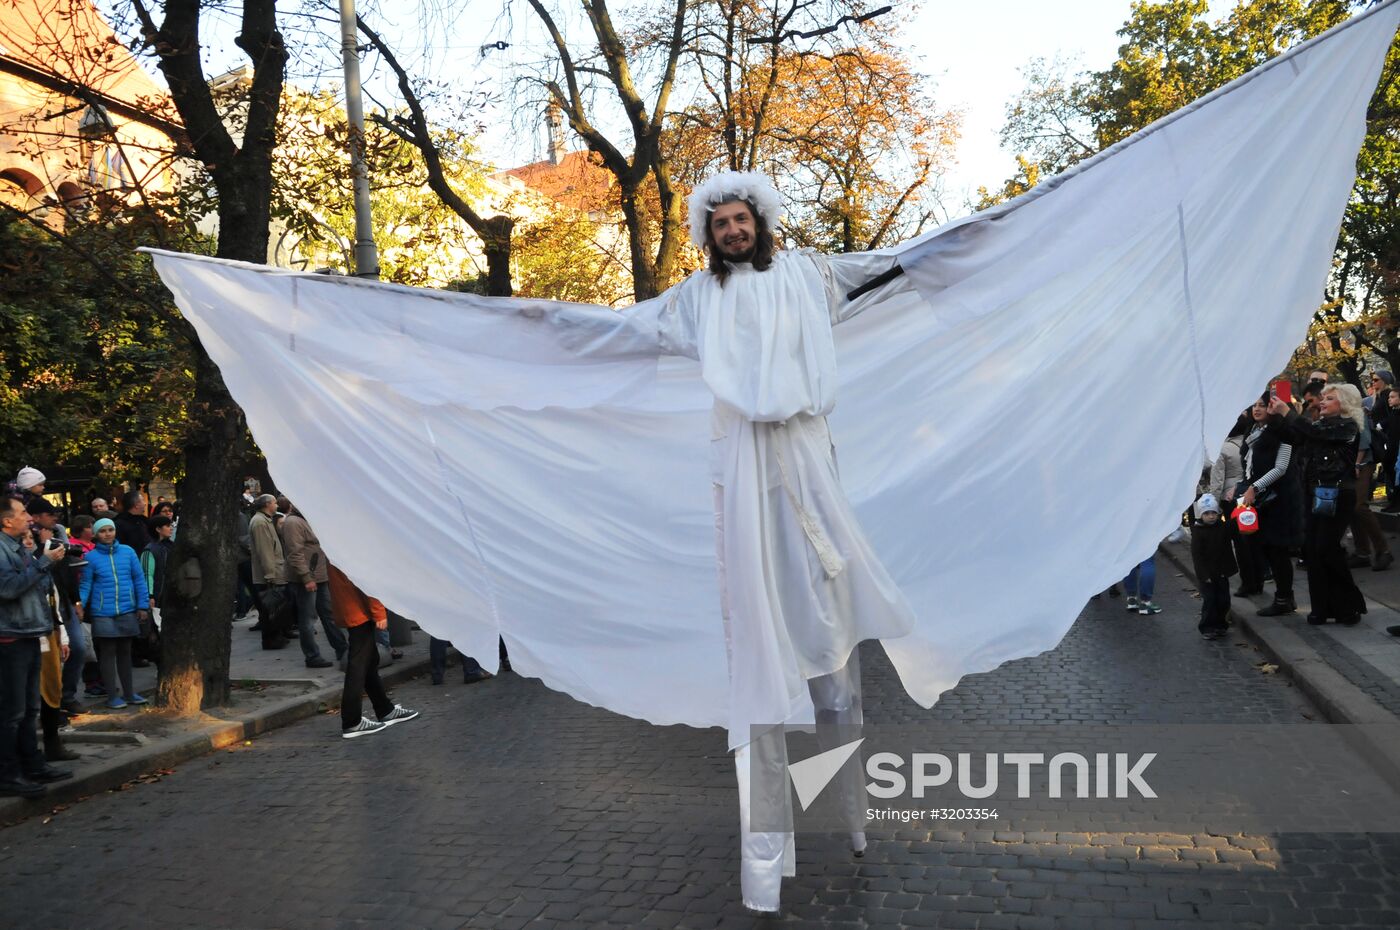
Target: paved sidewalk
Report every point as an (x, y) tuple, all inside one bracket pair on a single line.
[(1351, 673), (271, 688)]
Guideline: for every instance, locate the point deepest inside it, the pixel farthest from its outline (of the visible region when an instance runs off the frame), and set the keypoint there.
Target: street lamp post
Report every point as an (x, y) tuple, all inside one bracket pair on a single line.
[(366, 255)]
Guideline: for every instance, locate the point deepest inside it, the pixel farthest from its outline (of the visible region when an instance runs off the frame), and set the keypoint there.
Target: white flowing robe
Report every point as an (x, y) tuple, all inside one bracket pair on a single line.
[(800, 585), (564, 467)]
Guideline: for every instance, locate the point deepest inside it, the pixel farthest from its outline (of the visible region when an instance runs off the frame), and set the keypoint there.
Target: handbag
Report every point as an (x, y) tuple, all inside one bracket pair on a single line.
[(1267, 496), (277, 607), (1246, 519), (1324, 503)]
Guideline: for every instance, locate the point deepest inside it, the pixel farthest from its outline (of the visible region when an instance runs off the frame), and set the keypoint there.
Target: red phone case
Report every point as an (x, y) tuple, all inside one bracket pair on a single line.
[(1283, 390)]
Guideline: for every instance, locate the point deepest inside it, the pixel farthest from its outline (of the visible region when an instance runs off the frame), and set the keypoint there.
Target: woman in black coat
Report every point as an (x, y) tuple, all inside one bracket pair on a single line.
[(1329, 448), (1272, 486), (1387, 414)]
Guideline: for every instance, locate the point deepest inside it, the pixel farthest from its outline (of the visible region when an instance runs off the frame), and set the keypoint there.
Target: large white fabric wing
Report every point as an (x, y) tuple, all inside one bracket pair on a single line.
[(1020, 419)]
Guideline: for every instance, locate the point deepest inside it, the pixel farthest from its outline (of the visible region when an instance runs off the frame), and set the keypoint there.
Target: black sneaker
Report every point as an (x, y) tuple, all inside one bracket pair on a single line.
[(365, 727), (1278, 608), (319, 662), (22, 788)]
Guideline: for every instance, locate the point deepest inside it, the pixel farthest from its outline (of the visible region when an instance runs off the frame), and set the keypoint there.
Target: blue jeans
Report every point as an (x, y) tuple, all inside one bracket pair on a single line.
[(313, 604), (1142, 580), (77, 656), (19, 708)]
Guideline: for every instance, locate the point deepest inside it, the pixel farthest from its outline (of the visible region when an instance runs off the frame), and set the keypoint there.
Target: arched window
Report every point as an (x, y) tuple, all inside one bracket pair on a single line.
[(71, 198), (20, 189)]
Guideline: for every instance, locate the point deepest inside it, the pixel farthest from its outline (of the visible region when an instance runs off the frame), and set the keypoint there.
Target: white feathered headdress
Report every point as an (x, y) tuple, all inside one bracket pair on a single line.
[(726, 186)]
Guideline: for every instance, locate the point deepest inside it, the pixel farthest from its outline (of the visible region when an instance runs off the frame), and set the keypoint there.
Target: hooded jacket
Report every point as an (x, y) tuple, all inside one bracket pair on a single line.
[(113, 583)]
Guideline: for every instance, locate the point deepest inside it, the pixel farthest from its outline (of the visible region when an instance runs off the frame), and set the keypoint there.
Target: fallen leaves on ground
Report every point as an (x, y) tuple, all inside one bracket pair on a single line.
[(146, 778)]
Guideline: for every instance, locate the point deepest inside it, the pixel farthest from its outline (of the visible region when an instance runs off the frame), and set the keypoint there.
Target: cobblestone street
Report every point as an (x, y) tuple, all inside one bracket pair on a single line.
[(507, 805)]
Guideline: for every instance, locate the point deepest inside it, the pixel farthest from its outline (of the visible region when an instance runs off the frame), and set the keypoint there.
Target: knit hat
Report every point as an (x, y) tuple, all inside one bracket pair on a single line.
[(102, 524), (1384, 375), (1207, 504), (29, 477)]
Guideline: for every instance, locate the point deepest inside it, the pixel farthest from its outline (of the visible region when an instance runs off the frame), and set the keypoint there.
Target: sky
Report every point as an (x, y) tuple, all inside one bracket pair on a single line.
[(972, 53), (974, 59)]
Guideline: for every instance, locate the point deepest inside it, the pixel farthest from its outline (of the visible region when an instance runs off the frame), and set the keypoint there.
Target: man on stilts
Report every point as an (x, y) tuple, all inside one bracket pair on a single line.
[(800, 586)]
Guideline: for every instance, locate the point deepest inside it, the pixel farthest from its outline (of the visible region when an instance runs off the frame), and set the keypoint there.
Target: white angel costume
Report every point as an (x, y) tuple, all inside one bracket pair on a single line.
[(800, 586), (588, 456)]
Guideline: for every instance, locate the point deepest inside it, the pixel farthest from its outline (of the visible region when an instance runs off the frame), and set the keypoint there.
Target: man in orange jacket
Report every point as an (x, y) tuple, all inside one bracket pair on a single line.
[(360, 614)]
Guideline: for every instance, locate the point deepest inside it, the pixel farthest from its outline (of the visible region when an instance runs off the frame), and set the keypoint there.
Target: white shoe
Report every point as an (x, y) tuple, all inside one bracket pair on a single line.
[(398, 715), (365, 725)]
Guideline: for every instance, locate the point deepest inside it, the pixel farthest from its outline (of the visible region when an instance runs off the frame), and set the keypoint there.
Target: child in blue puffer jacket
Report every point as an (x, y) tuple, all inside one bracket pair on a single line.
[(113, 598)]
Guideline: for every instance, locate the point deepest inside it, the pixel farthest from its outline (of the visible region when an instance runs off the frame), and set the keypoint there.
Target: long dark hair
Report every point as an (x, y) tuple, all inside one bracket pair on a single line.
[(763, 248)]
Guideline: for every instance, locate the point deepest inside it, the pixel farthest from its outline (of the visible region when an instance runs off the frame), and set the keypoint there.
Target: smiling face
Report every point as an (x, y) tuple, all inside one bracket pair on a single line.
[(1259, 411), (1329, 405), (733, 231), (107, 535)]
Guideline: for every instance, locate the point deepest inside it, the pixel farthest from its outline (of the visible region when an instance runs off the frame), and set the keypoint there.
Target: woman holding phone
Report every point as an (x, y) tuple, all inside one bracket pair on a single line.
[(1272, 487), (1329, 450)]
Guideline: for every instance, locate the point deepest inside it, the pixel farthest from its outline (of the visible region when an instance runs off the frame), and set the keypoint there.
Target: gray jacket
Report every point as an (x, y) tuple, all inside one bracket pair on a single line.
[(1227, 472), (24, 591), (305, 560), (269, 566)]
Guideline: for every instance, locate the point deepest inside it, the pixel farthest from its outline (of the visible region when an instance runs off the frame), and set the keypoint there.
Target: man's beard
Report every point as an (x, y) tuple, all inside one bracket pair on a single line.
[(744, 254)]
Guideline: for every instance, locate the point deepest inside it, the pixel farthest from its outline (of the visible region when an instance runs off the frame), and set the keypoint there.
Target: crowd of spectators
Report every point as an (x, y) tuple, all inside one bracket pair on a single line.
[(80, 604), (1304, 472)]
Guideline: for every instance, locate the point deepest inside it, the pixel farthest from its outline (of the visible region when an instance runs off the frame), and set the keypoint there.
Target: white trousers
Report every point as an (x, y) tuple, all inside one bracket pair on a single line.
[(761, 765)]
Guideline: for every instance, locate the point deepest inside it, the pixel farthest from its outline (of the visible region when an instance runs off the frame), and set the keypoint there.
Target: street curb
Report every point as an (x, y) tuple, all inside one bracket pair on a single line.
[(172, 751), (1339, 700)]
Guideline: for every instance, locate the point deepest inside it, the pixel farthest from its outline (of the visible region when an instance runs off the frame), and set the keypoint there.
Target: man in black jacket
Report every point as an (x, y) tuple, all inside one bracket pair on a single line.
[(131, 522)]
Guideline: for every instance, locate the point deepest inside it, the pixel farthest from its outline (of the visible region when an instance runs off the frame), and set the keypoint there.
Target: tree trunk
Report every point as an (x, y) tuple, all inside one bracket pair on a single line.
[(644, 285), (196, 619), (495, 238)]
